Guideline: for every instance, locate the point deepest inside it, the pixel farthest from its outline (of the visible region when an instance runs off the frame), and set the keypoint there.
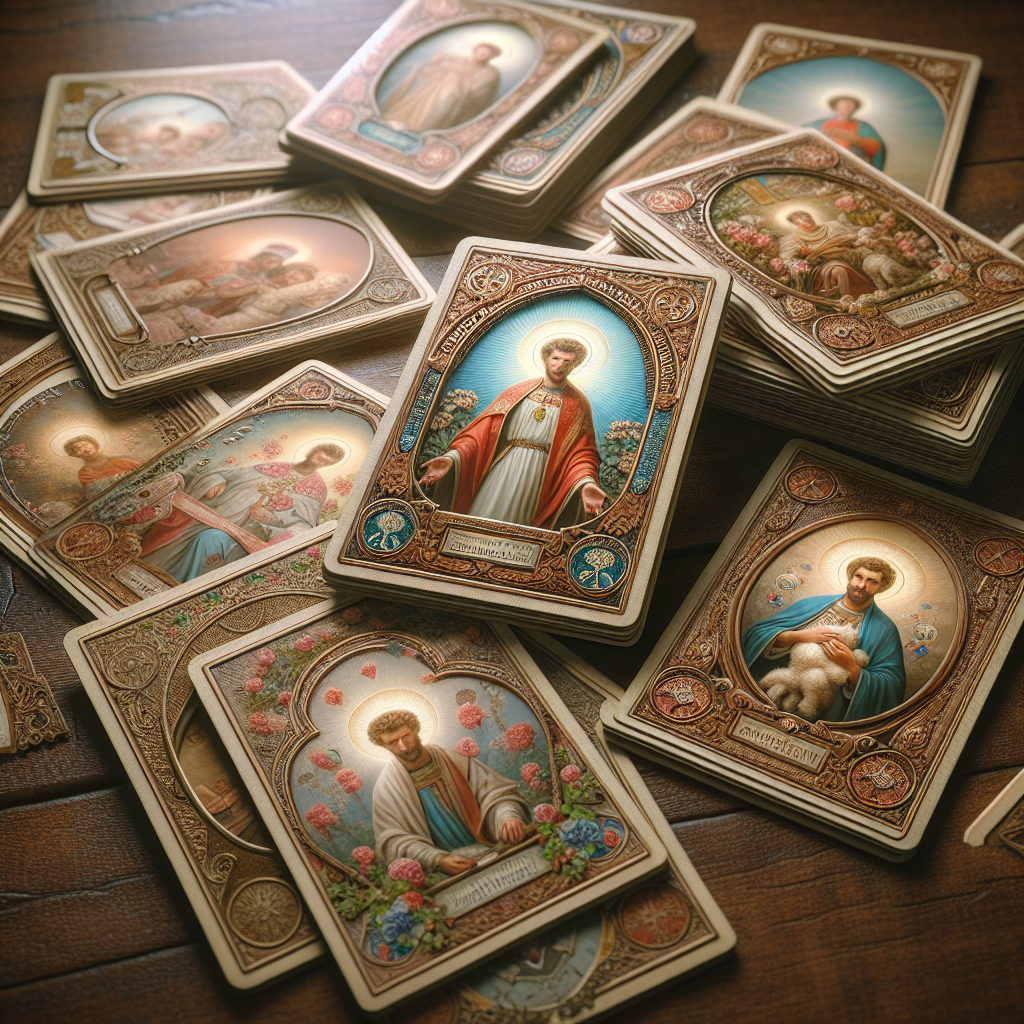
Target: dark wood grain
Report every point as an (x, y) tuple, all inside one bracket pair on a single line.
[(93, 921)]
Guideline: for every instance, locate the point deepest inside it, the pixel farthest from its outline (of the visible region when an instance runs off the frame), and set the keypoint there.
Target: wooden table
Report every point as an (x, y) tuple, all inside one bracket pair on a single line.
[(94, 924)]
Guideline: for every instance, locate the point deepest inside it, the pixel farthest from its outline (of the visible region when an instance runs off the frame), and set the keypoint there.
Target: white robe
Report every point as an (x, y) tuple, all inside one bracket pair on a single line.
[(446, 91), (400, 826)]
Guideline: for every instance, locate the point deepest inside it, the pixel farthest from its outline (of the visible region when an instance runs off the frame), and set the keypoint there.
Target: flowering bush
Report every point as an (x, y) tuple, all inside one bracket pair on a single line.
[(407, 870), (369, 670), (396, 924), (342, 485), (580, 832), (452, 414), (284, 698), (413, 900), (618, 453), (349, 780), (320, 817), (364, 857), (322, 760), (258, 724), (254, 685), (334, 697), (570, 831), (570, 773), (545, 814), (470, 716), (529, 772), (518, 737), (305, 644), (467, 747), (265, 658)]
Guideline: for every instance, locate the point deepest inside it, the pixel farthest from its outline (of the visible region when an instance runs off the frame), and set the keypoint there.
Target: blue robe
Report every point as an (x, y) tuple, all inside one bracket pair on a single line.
[(880, 686), (448, 831)]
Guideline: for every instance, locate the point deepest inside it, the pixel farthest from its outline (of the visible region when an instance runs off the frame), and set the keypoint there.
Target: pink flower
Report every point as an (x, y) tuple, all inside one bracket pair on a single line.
[(173, 631), (802, 265), (369, 670), (351, 615), (529, 771), (254, 685), (540, 786), (322, 760), (427, 678), (349, 780), (305, 644), (518, 737), (470, 715), (329, 505), (905, 245), (364, 857), (759, 240), (342, 486), (406, 870), (413, 900), (320, 817), (266, 657), (280, 502), (777, 265), (259, 725), (845, 202), (334, 697), (570, 773), (261, 670), (611, 839), (467, 747), (285, 698), (545, 814), (313, 552), (275, 723)]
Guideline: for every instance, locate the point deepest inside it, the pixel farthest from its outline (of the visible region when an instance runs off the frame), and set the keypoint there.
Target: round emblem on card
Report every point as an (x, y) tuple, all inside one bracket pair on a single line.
[(843, 333), (999, 556), (668, 199), (641, 32), (314, 390), (682, 693), (142, 361), (654, 916), (133, 667), (522, 160), (84, 541), (1001, 276), (335, 118), (436, 157), (387, 526), (388, 289), (264, 912), (814, 157), (881, 780), (597, 565), (811, 484), (563, 41), (488, 280), (673, 305), (787, 581), (924, 631), (704, 130), (783, 46)]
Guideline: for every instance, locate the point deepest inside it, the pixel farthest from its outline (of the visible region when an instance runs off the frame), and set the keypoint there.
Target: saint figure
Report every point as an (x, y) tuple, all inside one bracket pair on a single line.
[(857, 136), (429, 802), (871, 690), (444, 91), (531, 456), (98, 471), (230, 511), (831, 250)]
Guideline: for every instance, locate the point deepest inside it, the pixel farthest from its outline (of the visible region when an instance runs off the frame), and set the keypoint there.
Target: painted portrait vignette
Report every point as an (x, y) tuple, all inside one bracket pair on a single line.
[(911, 649), (554, 442)]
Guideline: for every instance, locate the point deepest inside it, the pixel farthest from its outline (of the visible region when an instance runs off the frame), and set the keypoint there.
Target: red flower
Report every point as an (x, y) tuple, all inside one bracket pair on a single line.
[(313, 552), (342, 486), (427, 678), (305, 644), (173, 631), (611, 838), (570, 773), (259, 725), (254, 685), (363, 855), (467, 747), (348, 780), (545, 814), (320, 817), (518, 737), (413, 900), (335, 697), (369, 670), (470, 715), (280, 502), (322, 760), (266, 657), (261, 670), (529, 771), (284, 699), (351, 614), (406, 870), (276, 723), (540, 786)]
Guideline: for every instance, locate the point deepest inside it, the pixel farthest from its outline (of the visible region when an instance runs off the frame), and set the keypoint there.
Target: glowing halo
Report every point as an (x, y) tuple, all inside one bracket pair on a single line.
[(58, 441), (911, 575), (389, 700), (854, 93), (589, 336), (300, 453)]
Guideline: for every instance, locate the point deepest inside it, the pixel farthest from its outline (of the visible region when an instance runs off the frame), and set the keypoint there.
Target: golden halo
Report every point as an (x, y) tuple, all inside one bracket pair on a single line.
[(300, 453), (589, 336), (58, 441), (389, 700), (911, 575)]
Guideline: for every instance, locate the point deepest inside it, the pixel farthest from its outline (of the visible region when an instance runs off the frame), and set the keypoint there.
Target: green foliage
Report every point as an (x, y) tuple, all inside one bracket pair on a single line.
[(571, 862), (454, 412), (618, 455)]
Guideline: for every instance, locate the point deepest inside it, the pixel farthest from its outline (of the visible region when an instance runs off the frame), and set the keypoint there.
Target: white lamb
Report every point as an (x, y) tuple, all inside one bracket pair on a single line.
[(809, 683)]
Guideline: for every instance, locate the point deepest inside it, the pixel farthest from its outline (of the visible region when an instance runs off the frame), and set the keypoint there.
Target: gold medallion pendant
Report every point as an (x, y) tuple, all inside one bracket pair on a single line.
[(539, 413)]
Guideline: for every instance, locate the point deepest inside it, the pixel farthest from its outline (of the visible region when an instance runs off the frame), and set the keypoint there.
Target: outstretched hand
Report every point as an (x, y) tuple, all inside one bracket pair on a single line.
[(593, 498), (435, 469), (453, 864)]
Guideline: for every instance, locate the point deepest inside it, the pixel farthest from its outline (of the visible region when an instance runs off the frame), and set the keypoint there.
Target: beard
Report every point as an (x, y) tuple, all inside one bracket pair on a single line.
[(856, 595)]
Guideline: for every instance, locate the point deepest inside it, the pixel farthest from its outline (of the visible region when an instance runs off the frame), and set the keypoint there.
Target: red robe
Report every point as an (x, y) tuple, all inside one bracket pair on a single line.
[(112, 467), (572, 459)]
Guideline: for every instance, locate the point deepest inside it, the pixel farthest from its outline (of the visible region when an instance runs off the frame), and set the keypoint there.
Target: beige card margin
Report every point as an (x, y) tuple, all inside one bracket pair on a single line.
[(1005, 800)]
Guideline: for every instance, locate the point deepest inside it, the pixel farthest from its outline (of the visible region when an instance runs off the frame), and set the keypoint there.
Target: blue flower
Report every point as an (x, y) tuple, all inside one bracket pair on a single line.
[(397, 923), (579, 832)]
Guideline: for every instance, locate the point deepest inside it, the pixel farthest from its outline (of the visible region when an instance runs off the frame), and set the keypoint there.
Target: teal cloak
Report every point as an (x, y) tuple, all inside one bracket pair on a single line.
[(865, 131), (881, 684)]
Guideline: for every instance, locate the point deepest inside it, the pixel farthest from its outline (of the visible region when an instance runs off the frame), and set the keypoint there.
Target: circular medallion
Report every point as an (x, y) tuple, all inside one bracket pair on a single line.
[(668, 199), (142, 361), (843, 333), (133, 667), (262, 112), (787, 581), (811, 484), (814, 157), (706, 129), (522, 160), (320, 202), (1001, 276), (881, 780), (613, 834), (799, 309), (999, 556), (642, 32), (264, 912), (783, 46), (654, 916), (314, 390), (388, 289), (561, 40), (86, 262), (924, 631), (488, 280), (387, 526), (436, 157), (673, 305), (681, 693), (84, 541), (335, 118), (597, 565)]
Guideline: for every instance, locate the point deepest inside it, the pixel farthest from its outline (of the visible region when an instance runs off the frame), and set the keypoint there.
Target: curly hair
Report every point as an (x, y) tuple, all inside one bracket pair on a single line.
[(334, 450), (879, 565), (70, 444), (833, 102), (570, 345), (389, 721)]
